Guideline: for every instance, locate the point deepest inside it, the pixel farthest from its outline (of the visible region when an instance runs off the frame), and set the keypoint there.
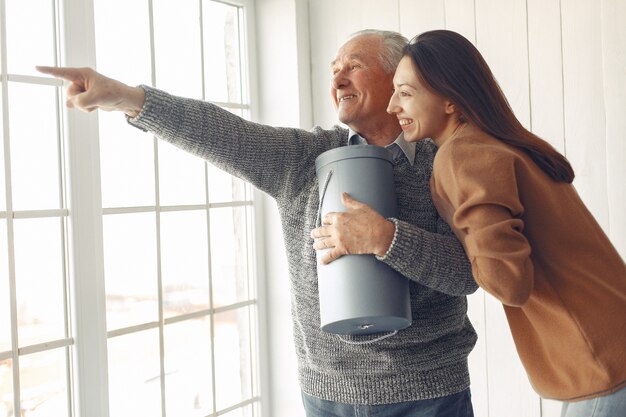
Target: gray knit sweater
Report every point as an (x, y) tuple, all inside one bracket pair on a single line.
[(426, 360)]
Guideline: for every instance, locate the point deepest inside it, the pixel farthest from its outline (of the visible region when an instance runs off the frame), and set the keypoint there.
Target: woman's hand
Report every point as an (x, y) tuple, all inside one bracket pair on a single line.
[(360, 230)]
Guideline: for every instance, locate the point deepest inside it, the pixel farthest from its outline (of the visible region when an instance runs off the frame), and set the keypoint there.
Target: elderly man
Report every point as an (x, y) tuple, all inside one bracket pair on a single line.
[(420, 371)]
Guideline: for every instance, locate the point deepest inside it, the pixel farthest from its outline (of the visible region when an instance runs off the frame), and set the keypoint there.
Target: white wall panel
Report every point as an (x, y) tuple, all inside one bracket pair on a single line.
[(614, 77), (460, 17), (367, 14), (417, 16), (585, 118), (546, 71), (501, 37)]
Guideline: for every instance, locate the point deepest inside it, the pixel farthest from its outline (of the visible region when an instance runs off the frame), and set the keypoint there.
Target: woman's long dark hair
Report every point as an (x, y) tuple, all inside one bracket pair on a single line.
[(453, 68)]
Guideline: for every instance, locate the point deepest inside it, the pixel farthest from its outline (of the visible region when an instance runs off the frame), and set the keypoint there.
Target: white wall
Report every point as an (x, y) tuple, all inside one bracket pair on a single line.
[(283, 100), (562, 65)]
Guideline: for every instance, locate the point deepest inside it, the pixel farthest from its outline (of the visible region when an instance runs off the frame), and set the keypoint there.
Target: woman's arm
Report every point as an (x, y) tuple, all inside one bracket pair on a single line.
[(475, 189)]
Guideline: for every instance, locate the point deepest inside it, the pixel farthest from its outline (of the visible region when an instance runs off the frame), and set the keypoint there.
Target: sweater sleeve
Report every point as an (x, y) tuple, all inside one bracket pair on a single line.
[(271, 158), (477, 185), (435, 260)]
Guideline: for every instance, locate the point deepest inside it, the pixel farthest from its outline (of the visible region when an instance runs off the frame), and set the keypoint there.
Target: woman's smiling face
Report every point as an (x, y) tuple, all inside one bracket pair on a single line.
[(420, 112)]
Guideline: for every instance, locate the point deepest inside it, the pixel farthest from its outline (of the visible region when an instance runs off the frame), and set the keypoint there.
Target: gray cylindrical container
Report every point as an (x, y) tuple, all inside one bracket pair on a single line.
[(359, 294)]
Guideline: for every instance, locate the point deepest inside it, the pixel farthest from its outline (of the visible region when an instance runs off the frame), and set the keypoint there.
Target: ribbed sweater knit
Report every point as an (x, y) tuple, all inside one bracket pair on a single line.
[(426, 360)]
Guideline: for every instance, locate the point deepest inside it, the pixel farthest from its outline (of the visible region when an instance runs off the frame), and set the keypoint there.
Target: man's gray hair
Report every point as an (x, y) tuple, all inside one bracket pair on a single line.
[(393, 46)]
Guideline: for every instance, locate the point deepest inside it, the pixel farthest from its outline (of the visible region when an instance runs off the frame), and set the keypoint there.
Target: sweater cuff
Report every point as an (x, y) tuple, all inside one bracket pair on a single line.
[(406, 246), (393, 241), (136, 121)]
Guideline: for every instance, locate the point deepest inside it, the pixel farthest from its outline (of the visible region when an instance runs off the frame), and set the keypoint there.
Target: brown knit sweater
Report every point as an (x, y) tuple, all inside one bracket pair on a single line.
[(535, 246)]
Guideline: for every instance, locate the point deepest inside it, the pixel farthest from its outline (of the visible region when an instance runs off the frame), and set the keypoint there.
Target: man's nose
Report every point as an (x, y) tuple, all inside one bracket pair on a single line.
[(339, 80)]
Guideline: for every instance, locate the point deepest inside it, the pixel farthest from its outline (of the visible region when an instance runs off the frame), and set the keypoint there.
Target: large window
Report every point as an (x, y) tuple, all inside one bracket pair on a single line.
[(127, 267)]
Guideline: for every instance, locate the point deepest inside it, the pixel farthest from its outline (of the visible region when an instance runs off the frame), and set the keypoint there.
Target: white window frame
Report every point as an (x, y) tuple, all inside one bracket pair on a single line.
[(87, 373)]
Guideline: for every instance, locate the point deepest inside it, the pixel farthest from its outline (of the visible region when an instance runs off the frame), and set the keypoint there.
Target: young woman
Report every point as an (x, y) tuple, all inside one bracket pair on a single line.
[(530, 239)]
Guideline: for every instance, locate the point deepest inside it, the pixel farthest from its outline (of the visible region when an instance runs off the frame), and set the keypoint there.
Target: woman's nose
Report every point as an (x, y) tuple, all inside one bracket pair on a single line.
[(392, 107)]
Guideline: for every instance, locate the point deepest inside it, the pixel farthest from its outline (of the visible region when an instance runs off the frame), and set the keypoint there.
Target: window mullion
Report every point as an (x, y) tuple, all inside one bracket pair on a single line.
[(9, 210), (85, 223)]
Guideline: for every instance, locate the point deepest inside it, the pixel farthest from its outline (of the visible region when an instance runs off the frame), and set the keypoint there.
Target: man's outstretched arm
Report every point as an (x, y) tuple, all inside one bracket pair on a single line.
[(89, 90)]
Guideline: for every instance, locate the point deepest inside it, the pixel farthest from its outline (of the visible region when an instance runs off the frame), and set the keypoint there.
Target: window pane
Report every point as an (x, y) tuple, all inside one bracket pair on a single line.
[(184, 262), (130, 269), (188, 383), (29, 35), (245, 113), (232, 357), (40, 284), (6, 388), (177, 23), (242, 412), (5, 306), (34, 147), (123, 40), (43, 384), (229, 255), (134, 375), (126, 163), (181, 177), (224, 187), (126, 154), (222, 69)]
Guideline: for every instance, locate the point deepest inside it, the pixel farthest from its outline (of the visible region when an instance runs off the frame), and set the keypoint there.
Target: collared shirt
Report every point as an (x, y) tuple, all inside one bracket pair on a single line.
[(398, 148)]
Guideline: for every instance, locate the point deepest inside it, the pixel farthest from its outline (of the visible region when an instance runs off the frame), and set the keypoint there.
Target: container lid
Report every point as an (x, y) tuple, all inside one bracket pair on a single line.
[(352, 151)]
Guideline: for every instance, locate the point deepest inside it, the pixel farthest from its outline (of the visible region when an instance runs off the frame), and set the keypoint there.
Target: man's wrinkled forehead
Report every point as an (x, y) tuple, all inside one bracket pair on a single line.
[(347, 58)]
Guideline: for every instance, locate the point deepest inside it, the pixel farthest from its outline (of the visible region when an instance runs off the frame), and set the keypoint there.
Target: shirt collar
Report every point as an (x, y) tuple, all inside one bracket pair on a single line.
[(407, 148)]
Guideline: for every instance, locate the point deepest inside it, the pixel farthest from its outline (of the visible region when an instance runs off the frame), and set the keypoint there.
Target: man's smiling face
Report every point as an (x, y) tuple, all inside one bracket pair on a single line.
[(360, 87)]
